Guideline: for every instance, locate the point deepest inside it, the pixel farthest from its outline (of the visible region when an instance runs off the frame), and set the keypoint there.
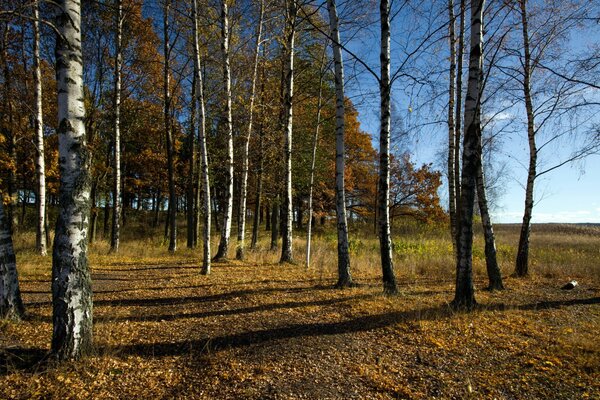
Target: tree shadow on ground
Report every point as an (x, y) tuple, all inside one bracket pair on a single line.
[(34, 359)]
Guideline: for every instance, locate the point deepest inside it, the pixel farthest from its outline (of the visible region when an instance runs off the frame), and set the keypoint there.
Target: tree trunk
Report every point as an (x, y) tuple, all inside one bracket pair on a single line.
[(451, 126), (491, 262), (9, 134), (114, 239), (40, 237), (290, 34), (228, 212), (344, 276), (268, 218), (275, 223), (313, 161), (522, 263), (203, 153), (190, 203), (258, 209), (465, 292), (71, 281), (11, 305), (169, 134), (157, 209), (94, 211), (459, 115), (244, 179), (385, 241)]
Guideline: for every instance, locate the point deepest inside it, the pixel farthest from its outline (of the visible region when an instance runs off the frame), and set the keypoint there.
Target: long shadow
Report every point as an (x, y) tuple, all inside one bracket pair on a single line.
[(127, 290), (161, 267), (542, 305), (32, 358), (235, 311), (169, 301), (141, 279), (361, 324)]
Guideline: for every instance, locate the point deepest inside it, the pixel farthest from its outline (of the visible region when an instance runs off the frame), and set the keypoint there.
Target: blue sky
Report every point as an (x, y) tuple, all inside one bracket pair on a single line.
[(568, 194)]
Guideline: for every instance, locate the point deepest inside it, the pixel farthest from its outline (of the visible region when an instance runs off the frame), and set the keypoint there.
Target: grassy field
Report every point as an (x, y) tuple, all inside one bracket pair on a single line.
[(261, 330)]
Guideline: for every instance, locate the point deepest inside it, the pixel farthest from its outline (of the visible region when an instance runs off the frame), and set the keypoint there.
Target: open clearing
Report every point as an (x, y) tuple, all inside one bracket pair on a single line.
[(273, 331)]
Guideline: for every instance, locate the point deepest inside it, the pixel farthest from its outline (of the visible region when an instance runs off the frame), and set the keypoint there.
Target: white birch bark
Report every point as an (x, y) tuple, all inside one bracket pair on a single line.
[(11, 305), (314, 159), (385, 241), (71, 282), (290, 34), (241, 233), (116, 229), (206, 200), (522, 262), (228, 212), (451, 125), (344, 276), (459, 112), (40, 168), (465, 292)]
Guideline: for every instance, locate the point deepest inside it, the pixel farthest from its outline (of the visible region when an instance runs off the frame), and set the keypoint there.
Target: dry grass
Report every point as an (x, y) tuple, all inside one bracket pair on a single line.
[(261, 330)]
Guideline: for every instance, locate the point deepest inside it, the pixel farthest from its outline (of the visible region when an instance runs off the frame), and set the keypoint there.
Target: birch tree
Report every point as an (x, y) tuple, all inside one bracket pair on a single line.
[(172, 219), (11, 305), (71, 282), (290, 35), (40, 237), (203, 152), (314, 158), (114, 239), (244, 179), (451, 124), (344, 276), (228, 212), (465, 292), (383, 201)]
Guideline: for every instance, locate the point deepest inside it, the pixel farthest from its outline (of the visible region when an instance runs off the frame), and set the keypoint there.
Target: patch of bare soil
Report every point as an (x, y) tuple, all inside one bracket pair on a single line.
[(278, 332)]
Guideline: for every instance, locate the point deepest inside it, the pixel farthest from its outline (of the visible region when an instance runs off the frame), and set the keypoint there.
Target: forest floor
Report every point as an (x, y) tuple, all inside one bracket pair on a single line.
[(279, 331)]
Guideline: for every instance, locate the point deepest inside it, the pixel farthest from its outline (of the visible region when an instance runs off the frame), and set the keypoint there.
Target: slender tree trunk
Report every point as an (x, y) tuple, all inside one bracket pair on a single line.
[(385, 241), (169, 134), (491, 262), (268, 217), (344, 276), (465, 292), (451, 126), (11, 305), (9, 134), (286, 242), (244, 179), (114, 239), (40, 237), (313, 160), (157, 209), (522, 263), (258, 210), (228, 212), (94, 211), (275, 223), (190, 198), (459, 115), (71, 281), (203, 153)]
